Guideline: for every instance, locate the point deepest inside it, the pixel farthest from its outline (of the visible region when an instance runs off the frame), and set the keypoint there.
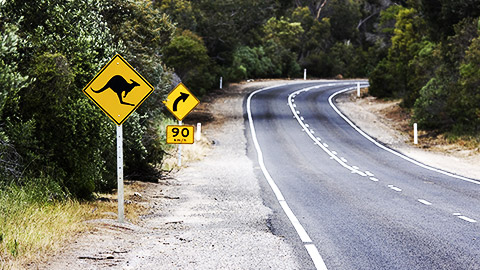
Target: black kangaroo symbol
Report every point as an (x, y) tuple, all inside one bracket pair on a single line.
[(118, 84)]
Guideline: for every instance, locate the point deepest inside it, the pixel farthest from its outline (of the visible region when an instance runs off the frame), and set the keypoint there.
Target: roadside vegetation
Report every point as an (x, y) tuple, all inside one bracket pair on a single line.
[(57, 148)]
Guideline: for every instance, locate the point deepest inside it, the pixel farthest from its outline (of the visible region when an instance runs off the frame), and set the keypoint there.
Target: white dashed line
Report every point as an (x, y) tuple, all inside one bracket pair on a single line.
[(395, 188), (309, 246), (425, 202), (355, 167), (318, 138), (343, 159), (471, 220), (335, 153), (374, 179), (326, 145), (467, 219), (369, 173)]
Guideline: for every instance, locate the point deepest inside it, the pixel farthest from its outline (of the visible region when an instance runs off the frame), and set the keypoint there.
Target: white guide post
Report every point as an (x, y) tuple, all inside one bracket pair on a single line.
[(120, 173), (198, 136), (221, 81), (304, 74), (358, 89), (415, 134), (180, 150)]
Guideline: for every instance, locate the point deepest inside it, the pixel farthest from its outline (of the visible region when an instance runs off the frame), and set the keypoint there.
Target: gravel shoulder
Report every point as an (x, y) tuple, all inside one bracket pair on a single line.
[(383, 121), (208, 215)]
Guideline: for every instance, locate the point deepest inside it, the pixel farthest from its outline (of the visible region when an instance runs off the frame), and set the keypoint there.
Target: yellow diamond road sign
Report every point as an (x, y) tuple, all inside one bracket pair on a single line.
[(180, 102), (118, 89)]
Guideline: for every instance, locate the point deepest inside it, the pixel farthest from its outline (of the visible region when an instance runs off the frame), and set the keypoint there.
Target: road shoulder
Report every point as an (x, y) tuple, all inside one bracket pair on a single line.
[(375, 118), (208, 215)]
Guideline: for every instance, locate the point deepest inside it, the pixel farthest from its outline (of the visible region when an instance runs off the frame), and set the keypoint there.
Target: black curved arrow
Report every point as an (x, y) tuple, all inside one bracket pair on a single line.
[(183, 97)]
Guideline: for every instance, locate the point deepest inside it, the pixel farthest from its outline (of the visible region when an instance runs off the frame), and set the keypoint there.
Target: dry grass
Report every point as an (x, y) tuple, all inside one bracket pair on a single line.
[(190, 152), (30, 231)]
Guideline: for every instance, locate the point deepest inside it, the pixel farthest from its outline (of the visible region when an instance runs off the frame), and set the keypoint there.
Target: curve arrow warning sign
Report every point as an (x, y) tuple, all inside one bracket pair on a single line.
[(180, 102)]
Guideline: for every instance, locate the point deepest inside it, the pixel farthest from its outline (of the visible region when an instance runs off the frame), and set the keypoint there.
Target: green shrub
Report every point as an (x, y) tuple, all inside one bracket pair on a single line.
[(187, 54), (431, 108)]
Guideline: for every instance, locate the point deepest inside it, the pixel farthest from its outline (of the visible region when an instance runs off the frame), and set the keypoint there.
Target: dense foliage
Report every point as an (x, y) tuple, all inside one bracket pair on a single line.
[(50, 51), (424, 52), (432, 64)]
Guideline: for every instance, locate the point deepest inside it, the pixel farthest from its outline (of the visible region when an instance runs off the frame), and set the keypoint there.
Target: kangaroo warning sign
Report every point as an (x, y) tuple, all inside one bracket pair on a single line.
[(180, 102), (118, 89)]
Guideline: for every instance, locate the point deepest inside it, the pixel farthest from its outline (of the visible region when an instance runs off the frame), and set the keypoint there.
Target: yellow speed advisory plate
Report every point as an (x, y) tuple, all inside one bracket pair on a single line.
[(179, 134), (118, 89)]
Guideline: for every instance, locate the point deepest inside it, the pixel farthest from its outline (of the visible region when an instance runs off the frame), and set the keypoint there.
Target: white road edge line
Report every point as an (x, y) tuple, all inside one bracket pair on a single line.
[(311, 249), (317, 259), (388, 149)]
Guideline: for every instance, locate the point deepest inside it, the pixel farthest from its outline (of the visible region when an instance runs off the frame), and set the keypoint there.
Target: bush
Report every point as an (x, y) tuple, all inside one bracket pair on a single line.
[(431, 108), (251, 63), (187, 54)]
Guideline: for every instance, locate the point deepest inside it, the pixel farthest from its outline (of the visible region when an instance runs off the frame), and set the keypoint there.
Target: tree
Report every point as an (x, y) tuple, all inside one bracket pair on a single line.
[(11, 80), (315, 7), (393, 75), (442, 15), (187, 54)]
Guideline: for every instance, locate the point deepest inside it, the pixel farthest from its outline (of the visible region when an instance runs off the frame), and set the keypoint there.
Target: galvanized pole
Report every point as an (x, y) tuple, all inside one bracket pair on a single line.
[(180, 150), (120, 173)]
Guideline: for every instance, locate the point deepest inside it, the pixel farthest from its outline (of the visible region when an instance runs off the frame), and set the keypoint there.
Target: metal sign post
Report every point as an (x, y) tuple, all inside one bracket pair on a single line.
[(120, 173), (179, 150), (109, 90)]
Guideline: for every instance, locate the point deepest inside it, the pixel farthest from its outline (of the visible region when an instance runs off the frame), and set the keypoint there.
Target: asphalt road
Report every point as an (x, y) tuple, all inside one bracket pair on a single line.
[(346, 203)]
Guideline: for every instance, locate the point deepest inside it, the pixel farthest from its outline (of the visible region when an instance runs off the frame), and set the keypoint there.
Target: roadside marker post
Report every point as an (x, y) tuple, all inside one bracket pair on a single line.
[(198, 135), (415, 133), (109, 90), (221, 82), (358, 89), (305, 74)]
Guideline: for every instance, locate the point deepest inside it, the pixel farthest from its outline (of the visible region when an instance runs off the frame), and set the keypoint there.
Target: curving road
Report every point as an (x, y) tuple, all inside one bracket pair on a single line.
[(346, 202)]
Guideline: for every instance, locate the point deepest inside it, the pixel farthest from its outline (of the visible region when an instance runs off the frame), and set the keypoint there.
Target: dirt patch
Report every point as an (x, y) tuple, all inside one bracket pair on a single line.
[(390, 124)]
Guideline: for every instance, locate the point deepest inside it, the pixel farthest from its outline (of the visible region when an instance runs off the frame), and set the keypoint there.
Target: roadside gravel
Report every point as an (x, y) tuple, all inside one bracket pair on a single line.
[(208, 215), (372, 116)]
